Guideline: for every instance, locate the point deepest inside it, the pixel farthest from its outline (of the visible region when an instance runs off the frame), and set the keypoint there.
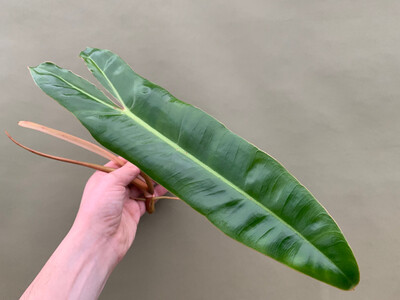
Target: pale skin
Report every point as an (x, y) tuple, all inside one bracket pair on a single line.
[(103, 231)]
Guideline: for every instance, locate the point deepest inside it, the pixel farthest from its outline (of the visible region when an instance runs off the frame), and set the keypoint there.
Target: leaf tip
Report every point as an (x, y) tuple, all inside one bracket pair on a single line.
[(356, 281), (87, 52), (32, 69), (351, 280), (43, 65)]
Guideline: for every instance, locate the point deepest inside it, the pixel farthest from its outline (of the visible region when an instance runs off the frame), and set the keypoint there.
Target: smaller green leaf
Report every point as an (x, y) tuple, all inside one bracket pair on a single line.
[(70, 89)]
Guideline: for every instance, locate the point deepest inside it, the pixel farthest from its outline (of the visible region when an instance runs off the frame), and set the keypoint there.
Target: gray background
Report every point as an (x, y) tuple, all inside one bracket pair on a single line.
[(313, 83)]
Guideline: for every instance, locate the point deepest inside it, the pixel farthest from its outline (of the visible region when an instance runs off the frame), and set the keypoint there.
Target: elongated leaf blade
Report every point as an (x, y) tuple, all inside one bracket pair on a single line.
[(239, 188)]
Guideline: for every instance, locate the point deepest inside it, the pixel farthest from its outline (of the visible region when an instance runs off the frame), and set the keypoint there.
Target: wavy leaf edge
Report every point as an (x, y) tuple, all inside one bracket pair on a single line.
[(130, 115)]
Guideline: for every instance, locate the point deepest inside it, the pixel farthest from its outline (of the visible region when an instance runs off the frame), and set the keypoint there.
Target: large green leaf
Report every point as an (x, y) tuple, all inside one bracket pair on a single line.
[(239, 188)]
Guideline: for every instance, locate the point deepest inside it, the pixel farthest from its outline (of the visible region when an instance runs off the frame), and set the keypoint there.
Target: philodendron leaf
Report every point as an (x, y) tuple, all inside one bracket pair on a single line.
[(239, 188)]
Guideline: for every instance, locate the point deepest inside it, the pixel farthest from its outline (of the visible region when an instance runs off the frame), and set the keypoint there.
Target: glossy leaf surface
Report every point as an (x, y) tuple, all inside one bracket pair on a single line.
[(239, 188)]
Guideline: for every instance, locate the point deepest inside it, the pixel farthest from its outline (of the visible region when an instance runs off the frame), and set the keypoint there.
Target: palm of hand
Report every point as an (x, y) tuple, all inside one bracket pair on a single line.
[(108, 209)]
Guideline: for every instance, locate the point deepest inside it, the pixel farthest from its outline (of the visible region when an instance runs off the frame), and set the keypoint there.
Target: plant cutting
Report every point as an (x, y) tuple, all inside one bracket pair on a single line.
[(240, 189)]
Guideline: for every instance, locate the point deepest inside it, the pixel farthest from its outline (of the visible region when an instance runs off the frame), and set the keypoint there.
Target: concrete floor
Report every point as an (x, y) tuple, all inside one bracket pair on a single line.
[(314, 83)]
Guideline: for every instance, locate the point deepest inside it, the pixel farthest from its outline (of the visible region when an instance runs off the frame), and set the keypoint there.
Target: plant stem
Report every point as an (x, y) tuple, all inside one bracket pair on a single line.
[(72, 139), (147, 188), (86, 145), (136, 182), (157, 198)]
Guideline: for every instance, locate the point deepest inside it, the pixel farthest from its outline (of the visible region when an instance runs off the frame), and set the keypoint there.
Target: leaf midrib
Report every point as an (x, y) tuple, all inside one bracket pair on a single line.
[(177, 147), (80, 90), (115, 92), (222, 178)]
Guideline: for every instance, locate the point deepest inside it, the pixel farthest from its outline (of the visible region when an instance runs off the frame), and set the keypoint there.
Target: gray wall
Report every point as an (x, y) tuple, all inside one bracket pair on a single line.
[(314, 83)]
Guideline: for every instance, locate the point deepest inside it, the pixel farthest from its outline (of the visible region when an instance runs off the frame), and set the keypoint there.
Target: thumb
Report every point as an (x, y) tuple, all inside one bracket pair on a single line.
[(124, 175)]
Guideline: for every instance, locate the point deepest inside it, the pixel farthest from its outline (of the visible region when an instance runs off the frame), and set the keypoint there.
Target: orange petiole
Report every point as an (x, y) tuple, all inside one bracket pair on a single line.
[(86, 145), (136, 182)]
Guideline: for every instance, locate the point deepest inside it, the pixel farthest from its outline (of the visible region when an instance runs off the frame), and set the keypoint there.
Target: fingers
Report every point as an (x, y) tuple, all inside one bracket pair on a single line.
[(159, 190), (142, 207), (112, 164), (134, 192), (100, 174), (124, 175)]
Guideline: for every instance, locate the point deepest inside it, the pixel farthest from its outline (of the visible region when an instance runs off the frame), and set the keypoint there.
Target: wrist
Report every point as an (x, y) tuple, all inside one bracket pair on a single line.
[(92, 245), (112, 236), (78, 269)]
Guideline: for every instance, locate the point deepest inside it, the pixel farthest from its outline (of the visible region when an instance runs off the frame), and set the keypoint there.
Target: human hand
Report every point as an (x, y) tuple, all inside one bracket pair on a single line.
[(102, 233), (107, 210)]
